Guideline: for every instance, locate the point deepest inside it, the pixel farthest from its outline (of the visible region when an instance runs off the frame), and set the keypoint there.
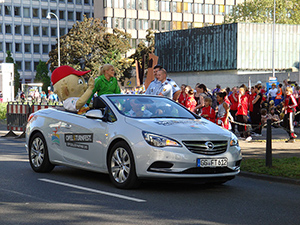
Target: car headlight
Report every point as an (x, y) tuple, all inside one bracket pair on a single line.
[(234, 141), (159, 141)]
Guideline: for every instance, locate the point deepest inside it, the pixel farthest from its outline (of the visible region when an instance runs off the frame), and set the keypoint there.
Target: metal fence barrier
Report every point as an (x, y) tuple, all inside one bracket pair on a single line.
[(17, 115)]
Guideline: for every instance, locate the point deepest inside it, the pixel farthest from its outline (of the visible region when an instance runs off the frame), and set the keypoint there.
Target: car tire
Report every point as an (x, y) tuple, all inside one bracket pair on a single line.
[(121, 166), (38, 154)]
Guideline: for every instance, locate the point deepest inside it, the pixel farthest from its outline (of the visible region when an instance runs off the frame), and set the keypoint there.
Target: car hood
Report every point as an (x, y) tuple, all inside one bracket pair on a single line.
[(181, 128)]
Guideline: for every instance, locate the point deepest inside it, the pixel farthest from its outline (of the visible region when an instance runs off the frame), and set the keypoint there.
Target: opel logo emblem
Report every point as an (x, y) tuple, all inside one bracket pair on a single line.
[(209, 145)]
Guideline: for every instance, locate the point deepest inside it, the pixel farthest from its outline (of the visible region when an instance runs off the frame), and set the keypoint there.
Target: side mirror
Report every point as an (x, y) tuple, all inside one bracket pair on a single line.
[(94, 114)]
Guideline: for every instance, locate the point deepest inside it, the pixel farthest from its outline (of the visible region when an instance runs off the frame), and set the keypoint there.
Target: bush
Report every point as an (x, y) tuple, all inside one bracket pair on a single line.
[(3, 111)]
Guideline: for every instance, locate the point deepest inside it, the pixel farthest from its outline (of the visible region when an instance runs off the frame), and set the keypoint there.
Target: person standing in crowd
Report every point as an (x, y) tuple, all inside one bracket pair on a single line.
[(272, 93), (155, 84), (183, 95), (223, 111), (202, 90), (166, 88), (190, 102), (255, 115), (207, 111), (216, 90), (233, 98), (242, 114), (290, 104), (106, 83), (279, 95)]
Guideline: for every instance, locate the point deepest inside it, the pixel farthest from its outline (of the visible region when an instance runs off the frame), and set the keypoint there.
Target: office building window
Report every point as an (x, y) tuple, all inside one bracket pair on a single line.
[(0, 9), (17, 29), (27, 48), (165, 25), (187, 7), (165, 6), (53, 32), (26, 12), (17, 11), (70, 1), (36, 30), (62, 31), (228, 9), (45, 49), (119, 4), (119, 22), (70, 15), (8, 29), (187, 25), (7, 10), (130, 4), (18, 47), (45, 31), (154, 24), (143, 24), (27, 30), (35, 13), (19, 65), (209, 9), (133, 43), (35, 65), (44, 13), (107, 3), (131, 24), (36, 48), (177, 7), (62, 15), (154, 5), (8, 46), (108, 22), (53, 47), (78, 16), (78, 2), (143, 4), (0, 28), (86, 2), (1, 48), (27, 65), (198, 8), (63, 1)]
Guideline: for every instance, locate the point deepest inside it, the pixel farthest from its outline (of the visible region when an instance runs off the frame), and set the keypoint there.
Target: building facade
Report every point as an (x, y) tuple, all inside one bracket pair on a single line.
[(136, 16), (29, 35)]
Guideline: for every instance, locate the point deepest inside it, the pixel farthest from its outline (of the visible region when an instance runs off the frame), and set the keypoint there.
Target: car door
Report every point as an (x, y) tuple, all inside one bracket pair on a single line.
[(84, 142)]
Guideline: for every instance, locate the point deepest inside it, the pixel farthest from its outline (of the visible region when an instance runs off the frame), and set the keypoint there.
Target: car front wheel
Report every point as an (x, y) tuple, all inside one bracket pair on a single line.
[(121, 166), (38, 154)]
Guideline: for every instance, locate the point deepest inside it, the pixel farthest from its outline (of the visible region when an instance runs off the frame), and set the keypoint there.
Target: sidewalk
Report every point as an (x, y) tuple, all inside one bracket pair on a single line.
[(257, 147)]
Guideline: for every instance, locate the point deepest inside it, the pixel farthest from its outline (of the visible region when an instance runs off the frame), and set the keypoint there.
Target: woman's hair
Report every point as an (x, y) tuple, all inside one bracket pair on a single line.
[(264, 111), (203, 87), (258, 86), (222, 94), (289, 89), (104, 68)]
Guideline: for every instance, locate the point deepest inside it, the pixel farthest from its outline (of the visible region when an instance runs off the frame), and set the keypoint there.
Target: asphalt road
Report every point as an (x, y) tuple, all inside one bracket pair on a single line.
[(71, 196)]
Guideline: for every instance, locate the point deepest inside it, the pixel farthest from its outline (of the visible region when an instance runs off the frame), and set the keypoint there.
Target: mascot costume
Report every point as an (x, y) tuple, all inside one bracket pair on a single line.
[(71, 88)]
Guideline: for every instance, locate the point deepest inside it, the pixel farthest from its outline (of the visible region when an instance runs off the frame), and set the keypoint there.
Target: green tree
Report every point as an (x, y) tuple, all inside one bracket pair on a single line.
[(261, 11), (9, 59), (88, 45), (42, 75)]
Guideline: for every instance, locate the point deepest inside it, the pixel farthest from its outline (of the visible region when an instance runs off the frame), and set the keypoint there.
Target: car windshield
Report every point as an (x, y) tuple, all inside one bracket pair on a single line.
[(143, 106)]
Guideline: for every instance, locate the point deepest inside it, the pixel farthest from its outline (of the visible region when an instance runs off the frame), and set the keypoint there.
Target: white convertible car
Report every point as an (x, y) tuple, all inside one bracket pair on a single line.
[(133, 138)]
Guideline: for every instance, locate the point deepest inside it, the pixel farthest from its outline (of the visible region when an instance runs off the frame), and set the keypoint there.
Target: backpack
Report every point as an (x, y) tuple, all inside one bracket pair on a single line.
[(214, 102)]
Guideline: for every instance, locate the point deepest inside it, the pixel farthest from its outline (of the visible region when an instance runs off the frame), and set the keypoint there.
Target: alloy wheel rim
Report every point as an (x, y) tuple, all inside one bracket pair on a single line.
[(120, 165), (37, 152)]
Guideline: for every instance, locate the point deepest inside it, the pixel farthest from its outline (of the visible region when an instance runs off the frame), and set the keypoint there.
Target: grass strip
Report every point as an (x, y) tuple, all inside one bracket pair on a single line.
[(283, 167)]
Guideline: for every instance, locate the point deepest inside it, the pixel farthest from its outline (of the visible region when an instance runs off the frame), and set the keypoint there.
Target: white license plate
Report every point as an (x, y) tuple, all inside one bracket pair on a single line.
[(213, 162)]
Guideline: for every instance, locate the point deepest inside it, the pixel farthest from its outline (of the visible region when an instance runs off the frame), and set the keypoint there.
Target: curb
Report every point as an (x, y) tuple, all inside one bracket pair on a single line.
[(269, 178)]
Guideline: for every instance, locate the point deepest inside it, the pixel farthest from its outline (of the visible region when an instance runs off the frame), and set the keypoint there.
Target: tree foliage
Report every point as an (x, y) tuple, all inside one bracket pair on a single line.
[(261, 11), (88, 45), (9, 59), (42, 75)]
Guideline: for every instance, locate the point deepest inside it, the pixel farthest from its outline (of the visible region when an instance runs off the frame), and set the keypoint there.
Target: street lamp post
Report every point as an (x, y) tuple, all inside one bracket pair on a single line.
[(58, 42)]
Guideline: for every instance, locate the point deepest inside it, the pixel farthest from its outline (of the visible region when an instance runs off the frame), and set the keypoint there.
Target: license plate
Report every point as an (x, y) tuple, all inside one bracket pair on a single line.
[(213, 162)]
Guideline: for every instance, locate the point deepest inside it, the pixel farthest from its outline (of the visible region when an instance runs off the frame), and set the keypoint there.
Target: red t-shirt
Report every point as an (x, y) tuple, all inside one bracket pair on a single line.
[(251, 98), (208, 113), (243, 106), (234, 104), (190, 103)]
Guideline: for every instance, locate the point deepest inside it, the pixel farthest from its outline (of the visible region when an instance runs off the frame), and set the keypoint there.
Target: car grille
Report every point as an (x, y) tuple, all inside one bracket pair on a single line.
[(199, 170), (206, 147)]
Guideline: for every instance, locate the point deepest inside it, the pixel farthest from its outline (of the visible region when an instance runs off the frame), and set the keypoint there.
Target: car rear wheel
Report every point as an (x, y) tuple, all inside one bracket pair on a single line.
[(38, 154), (121, 166)]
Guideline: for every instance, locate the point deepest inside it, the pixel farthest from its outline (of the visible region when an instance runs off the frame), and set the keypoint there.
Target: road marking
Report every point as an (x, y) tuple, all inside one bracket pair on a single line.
[(93, 190)]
